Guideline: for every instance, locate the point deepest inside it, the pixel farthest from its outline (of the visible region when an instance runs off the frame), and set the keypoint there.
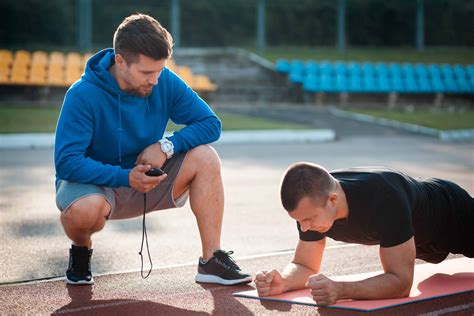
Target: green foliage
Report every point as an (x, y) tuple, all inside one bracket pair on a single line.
[(53, 23)]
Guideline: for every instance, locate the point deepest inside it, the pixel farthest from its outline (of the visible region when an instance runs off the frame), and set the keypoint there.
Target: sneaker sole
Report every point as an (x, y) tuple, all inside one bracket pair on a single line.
[(207, 278), (79, 282)]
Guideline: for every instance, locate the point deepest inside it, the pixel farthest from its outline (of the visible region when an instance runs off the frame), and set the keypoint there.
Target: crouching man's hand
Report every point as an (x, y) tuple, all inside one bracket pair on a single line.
[(141, 182), (323, 289), (269, 283)]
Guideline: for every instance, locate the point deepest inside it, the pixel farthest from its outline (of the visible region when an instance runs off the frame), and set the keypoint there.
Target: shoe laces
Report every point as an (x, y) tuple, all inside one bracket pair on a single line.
[(80, 261), (224, 258)]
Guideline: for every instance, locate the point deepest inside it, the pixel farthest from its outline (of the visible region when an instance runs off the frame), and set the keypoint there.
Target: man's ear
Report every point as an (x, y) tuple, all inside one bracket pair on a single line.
[(120, 61), (333, 199)]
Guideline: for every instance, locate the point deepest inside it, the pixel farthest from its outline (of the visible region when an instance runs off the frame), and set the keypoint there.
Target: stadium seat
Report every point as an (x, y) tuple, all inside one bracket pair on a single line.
[(202, 83), (55, 75), (459, 72), (39, 58), (381, 70), (311, 67), (22, 57), (424, 84), (408, 71), (310, 83), (326, 68), (297, 72), (341, 83), (4, 74), (57, 58), (185, 73), (6, 57), (421, 71), (383, 82), (326, 83), (368, 78), (282, 66)]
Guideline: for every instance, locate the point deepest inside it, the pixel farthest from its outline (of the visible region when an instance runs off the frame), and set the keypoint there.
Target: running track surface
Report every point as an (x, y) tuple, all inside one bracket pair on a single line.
[(172, 291)]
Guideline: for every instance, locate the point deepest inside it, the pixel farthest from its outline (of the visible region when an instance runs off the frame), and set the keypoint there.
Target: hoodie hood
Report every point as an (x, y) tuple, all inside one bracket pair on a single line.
[(97, 72)]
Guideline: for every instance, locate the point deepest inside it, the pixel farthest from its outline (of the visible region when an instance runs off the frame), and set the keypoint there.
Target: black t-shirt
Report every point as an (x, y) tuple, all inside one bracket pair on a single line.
[(387, 207)]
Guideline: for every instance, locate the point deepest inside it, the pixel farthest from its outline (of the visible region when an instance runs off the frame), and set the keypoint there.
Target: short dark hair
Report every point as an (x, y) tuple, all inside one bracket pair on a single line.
[(305, 179), (142, 34)]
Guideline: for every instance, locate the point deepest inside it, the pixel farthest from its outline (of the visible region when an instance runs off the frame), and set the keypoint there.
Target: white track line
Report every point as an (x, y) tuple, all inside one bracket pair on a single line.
[(268, 254)]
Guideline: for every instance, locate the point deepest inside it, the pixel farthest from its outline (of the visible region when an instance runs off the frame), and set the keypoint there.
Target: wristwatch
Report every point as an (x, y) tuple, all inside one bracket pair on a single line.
[(167, 147)]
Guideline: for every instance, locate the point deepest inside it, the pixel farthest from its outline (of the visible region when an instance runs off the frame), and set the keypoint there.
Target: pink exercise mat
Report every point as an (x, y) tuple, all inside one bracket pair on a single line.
[(430, 281)]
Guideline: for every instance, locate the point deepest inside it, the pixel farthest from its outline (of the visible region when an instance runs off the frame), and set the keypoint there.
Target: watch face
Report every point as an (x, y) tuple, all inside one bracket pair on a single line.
[(167, 147)]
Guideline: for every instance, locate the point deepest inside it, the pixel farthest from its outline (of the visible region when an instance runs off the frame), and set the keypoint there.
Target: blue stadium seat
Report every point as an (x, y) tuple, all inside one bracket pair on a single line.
[(326, 68), (383, 82), (355, 83), (354, 69), (437, 84), (310, 83), (434, 71), (463, 85), (297, 72), (447, 71), (340, 68), (395, 71), (408, 71), (327, 84), (459, 72), (447, 75), (311, 67), (395, 77), (368, 77), (368, 69), (424, 84), (421, 71), (282, 66), (340, 83), (381, 70), (411, 84), (470, 71)]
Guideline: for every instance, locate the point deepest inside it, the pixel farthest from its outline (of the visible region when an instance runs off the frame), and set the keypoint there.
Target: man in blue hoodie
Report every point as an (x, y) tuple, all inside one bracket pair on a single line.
[(110, 134)]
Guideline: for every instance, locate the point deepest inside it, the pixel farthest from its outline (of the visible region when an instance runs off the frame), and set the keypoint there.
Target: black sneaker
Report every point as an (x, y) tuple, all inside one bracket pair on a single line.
[(79, 270), (221, 269)]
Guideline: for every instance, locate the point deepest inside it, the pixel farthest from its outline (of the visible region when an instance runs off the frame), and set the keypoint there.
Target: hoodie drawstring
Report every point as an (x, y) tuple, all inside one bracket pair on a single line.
[(120, 130)]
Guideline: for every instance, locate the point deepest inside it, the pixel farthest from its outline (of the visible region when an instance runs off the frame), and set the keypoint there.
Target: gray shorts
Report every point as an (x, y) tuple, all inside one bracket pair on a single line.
[(126, 202)]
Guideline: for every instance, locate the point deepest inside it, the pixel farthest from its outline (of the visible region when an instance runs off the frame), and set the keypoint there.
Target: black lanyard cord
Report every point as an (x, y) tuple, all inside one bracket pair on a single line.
[(145, 238)]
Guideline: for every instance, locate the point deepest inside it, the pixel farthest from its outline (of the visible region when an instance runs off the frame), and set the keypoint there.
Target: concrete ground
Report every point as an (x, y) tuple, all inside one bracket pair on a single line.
[(255, 225)]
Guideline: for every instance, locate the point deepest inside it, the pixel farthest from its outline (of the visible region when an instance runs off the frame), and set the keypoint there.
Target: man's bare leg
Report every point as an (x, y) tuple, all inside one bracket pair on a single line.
[(201, 174)]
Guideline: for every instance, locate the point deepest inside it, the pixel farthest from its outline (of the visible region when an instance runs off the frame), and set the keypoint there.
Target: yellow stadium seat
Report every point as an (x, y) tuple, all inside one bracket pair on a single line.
[(55, 75), (73, 59), (202, 83), (72, 75), (57, 58), (37, 74), (6, 57), (39, 58), (185, 73), (22, 57), (19, 77), (4, 74)]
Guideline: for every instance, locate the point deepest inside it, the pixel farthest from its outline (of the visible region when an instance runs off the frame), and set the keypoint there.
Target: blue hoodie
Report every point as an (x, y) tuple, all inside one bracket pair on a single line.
[(101, 129)]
